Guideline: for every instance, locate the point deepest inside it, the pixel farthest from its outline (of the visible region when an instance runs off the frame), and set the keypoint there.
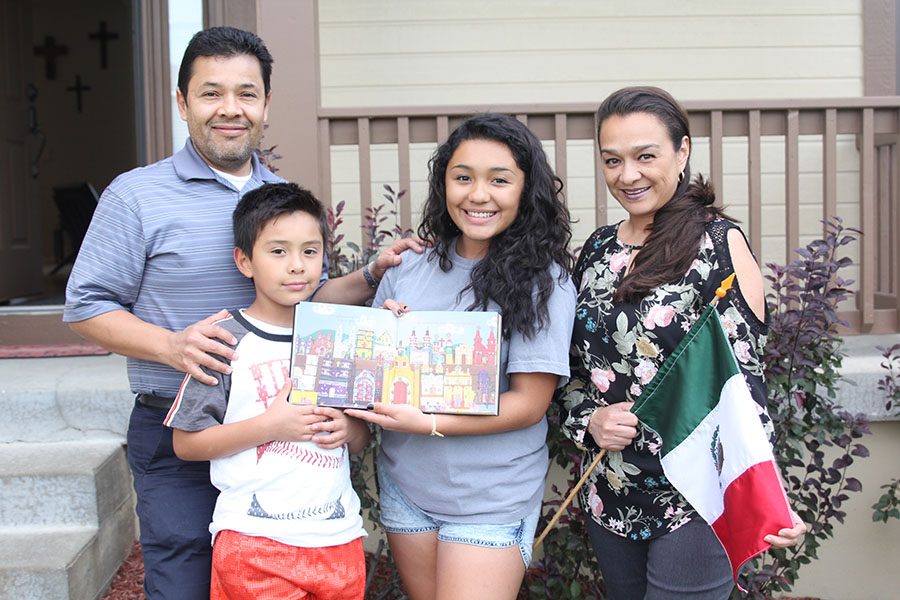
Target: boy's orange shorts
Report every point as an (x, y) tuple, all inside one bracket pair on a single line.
[(251, 568)]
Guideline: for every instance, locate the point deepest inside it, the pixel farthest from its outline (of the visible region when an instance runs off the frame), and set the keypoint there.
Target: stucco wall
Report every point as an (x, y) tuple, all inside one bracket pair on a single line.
[(860, 562)]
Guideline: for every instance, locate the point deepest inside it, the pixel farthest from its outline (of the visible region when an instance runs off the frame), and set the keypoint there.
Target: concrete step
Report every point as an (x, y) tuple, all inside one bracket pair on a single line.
[(66, 563), (66, 518), (62, 483), (52, 399)]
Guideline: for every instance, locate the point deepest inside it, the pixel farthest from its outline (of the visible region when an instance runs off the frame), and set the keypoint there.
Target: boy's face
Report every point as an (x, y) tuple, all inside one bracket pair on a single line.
[(286, 264)]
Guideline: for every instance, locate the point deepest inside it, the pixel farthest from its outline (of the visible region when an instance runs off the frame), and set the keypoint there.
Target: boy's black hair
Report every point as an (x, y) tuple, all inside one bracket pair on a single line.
[(225, 42), (258, 207)]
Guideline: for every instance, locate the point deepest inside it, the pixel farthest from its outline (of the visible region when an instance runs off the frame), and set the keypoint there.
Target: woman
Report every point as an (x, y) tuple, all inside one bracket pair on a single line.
[(642, 282), (460, 495)]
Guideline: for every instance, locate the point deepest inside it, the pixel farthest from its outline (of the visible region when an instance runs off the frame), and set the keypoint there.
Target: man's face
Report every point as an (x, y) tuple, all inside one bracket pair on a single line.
[(225, 109)]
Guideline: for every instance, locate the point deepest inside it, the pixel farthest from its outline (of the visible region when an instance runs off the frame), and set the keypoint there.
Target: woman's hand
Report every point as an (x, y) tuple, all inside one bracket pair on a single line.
[(395, 307), (395, 417), (789, 536), (614, 426)]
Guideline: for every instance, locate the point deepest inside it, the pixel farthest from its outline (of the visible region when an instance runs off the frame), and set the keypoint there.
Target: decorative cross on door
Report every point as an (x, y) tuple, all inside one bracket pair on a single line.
[(78, 88), (103, 36), (50, 51)]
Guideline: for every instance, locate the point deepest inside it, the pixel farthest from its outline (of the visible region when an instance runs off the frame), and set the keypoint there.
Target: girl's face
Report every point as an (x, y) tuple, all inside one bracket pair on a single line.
[(484, 185), (639, 164)]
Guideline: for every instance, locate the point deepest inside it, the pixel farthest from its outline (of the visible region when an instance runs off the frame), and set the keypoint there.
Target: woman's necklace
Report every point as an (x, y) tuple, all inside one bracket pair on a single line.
[(624, 244)]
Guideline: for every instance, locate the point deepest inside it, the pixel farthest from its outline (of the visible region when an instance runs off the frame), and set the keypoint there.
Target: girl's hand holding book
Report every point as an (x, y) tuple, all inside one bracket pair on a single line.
[(395, 417), (335, 431)]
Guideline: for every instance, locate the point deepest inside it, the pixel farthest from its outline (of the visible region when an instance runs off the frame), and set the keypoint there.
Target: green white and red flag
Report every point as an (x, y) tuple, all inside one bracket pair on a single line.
[(714, 449)]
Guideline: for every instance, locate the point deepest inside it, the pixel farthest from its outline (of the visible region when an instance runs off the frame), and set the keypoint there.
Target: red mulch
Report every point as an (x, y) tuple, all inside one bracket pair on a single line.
[(128, 584), (51, 350)]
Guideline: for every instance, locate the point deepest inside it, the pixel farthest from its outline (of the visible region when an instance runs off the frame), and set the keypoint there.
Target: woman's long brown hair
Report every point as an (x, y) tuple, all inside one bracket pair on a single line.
[(678, 226)]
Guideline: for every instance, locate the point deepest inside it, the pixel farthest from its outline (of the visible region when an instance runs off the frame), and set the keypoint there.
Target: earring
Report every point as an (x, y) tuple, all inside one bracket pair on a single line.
[(681, 177)]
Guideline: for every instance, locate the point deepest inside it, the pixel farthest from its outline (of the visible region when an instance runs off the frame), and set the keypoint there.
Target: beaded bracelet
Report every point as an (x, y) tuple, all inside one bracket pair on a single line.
[(367, 274)]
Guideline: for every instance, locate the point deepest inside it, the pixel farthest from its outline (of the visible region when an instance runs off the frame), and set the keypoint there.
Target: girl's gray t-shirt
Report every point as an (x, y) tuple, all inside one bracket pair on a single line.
[(491, 479)]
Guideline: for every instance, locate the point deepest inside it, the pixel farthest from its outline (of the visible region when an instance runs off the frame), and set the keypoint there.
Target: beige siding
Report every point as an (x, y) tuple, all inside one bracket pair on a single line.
[(479, 52), (405, 52)]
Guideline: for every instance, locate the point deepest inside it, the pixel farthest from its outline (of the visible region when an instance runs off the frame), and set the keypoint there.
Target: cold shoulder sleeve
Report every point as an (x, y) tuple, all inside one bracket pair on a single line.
[(747, 334)]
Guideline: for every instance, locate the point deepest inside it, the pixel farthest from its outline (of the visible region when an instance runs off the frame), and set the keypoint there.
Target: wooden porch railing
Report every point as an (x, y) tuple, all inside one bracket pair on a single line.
[(854, 136)]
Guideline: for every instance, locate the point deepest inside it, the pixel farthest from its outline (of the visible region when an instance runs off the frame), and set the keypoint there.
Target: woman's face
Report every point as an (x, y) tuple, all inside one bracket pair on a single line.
[(639, 164), (484, 185)]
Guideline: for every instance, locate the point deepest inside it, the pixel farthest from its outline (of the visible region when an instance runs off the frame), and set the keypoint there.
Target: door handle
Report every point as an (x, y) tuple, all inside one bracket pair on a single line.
[(34, 128)]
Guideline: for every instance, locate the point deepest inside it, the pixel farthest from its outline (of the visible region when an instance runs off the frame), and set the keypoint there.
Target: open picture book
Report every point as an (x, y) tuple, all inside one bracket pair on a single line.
[(353, 356)]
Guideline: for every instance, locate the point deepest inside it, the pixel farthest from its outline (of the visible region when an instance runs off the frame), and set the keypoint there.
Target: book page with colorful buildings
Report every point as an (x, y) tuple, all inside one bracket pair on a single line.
[(352, 356)]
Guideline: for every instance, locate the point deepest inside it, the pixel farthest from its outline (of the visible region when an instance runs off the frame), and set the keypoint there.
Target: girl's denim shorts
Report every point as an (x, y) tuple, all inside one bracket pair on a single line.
[(399, 515)]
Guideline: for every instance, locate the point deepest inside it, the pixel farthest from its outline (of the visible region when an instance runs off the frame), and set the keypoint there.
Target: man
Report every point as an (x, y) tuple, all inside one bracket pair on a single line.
[(156, 261)]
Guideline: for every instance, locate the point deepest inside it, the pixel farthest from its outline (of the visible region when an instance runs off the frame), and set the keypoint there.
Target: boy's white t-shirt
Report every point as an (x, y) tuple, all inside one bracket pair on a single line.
[(293, 492)]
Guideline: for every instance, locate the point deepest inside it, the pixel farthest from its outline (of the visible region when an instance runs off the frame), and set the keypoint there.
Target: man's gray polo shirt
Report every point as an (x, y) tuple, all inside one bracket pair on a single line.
[(160, 246)]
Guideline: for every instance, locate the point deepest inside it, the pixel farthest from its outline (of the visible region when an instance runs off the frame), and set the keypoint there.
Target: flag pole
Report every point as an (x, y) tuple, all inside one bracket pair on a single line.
[(723, 289), (569, 498), (721, 292)]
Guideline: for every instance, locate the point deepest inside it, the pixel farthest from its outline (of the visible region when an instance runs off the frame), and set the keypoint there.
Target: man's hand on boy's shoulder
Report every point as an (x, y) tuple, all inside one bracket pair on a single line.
[(196, 346), (391, 256)]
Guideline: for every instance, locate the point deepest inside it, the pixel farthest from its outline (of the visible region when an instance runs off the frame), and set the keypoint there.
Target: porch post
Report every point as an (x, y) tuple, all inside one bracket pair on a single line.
[(154, 131), (879, 47), (234, 13), (290, 29)]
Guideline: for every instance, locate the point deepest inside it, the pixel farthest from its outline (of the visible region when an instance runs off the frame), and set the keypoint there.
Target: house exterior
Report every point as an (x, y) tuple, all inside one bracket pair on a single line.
[(771, 85), (794, 106)]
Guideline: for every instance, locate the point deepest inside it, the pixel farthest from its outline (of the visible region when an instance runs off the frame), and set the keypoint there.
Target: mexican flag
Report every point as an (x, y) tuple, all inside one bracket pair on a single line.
[(714, 450)]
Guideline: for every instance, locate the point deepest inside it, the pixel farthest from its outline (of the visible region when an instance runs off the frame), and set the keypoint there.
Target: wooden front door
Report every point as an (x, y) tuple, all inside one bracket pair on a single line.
[(20, 243)]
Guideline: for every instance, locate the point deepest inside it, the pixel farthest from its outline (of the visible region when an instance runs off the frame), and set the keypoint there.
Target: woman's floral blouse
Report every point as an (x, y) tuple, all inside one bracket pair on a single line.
[(616, 351)]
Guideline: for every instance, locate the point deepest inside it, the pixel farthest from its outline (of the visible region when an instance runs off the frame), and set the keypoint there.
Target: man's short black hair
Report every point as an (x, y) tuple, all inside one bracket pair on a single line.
[(260, 206), (226, 42)]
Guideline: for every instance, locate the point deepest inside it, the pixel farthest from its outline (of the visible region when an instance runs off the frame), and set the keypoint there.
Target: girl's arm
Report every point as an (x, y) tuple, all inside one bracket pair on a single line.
[(523, 405), (525, 402)]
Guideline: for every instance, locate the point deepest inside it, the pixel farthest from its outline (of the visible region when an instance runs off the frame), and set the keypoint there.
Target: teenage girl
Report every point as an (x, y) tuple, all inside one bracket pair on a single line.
[(461, 495)]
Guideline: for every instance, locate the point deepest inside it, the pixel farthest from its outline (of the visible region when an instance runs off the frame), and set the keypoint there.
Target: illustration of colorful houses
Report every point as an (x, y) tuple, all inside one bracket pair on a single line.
[(431, 372)]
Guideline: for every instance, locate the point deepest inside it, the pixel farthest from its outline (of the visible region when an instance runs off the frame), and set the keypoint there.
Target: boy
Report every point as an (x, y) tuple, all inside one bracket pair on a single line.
[(287, 518)]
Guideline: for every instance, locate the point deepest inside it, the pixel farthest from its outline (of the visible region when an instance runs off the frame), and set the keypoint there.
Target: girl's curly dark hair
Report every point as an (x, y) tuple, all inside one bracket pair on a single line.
[(517, 272)]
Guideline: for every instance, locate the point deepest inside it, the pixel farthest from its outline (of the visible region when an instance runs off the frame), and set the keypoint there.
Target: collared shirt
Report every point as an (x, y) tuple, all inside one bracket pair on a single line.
[(160, 245)]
